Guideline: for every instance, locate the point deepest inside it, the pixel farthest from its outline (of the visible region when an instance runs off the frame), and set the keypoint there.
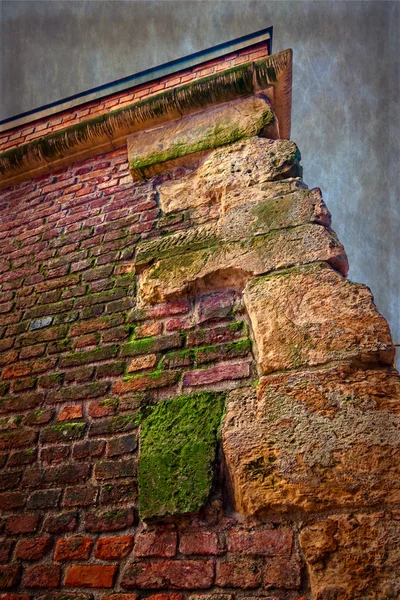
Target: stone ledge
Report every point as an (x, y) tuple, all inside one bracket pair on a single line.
[(271, 75)]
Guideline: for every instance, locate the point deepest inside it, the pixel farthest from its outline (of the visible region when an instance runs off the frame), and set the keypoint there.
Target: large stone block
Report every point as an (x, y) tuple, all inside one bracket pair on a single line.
[(233, 264), (310, 315), (244, 172), (151, 151), (315, 440), (177, 452), (354, 557)]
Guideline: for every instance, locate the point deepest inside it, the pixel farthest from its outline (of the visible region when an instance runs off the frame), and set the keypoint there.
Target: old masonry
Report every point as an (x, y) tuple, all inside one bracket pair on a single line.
[(196, 404)]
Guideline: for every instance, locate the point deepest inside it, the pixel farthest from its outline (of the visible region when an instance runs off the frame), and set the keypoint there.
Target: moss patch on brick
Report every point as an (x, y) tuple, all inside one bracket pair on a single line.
[(178, 445)]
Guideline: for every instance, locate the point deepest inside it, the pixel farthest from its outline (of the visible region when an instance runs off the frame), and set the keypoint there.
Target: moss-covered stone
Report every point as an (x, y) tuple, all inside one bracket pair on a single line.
[(216, 127), (177, 454)]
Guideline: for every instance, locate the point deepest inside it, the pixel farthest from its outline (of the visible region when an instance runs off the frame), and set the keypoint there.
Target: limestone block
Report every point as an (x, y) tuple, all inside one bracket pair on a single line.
[(240, 222), (352, 557), (149, 151), (310, 315), (315, 440), (233, 264), (240, 173)]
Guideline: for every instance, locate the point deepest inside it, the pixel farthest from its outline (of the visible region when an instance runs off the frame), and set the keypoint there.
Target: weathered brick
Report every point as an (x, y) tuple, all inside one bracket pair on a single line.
[(22, 369), (181, 574), (17, 439), (119, 424), (88, 449), (33, 548), (142, 362), (62, 523), (148, 330), (121, 597), (80, 496), (161, 543), (22, 524), (216, 335), (95, 576), (270, 542), (23, 457), (61, 596), (74, 548), (112, 520), (147, 381), (216, 374), (77, 359), (241, 573), (55, 454), (39, 417), (66, 473), (122, 445), (216, 305), (114, 548), (281, 573), (43, 576), (70, 412), (126, 491), (74, 393), (11, 500), (200, 543), (5, 550), (110, 469), (62, 433), (44, 499), (152, 344), (9, 576), (10, 480), (103, 408)]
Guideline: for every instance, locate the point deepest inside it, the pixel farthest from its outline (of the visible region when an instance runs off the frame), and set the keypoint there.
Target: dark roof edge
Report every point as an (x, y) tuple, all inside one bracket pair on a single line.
[(119, 85)]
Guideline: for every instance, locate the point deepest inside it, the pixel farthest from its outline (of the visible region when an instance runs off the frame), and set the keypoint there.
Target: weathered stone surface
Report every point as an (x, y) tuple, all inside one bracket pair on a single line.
[(241, 222), (240, 173), (150, 151), (352, 557), (315, 440), (310, 315), (233, 264), (177, 453)]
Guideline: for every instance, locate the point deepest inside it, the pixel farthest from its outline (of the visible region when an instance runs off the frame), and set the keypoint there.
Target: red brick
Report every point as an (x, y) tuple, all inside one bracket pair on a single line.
[(180, 574), (70, 412), (146, 382), (239, 573), (9, 576), (91, 576), (15, 597), (168, 597), (17, 439), (216, 374), (5, 550), (84, 495), (63, 523), (283, 574), (10, 500), (74, 548), (148, 330), (200, 542), (142, 362), (120, 597), (156, 543), (113, 520), (43, 576), (114, 548), (215, 306), (103, 408), (270, 542), (88, 449), (22, 524), (33, 548)]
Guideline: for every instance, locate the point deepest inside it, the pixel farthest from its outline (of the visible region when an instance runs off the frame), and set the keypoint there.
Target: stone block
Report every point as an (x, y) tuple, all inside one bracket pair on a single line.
[(310, 315), (153, 150), (315, 440)]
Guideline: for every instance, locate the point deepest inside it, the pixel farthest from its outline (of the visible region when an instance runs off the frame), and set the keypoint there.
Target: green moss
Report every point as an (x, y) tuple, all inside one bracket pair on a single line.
[(178, 449), (141, 346)]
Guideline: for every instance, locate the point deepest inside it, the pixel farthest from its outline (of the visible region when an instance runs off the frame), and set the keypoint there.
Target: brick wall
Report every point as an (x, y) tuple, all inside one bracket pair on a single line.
[(69, 334)]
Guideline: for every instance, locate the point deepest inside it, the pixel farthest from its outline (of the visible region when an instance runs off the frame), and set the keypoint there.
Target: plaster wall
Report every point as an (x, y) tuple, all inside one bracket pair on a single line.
[(345, 91)]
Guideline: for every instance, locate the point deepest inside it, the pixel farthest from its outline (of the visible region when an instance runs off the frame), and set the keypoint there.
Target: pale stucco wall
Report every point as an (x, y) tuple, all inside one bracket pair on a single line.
[(345, 91)]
